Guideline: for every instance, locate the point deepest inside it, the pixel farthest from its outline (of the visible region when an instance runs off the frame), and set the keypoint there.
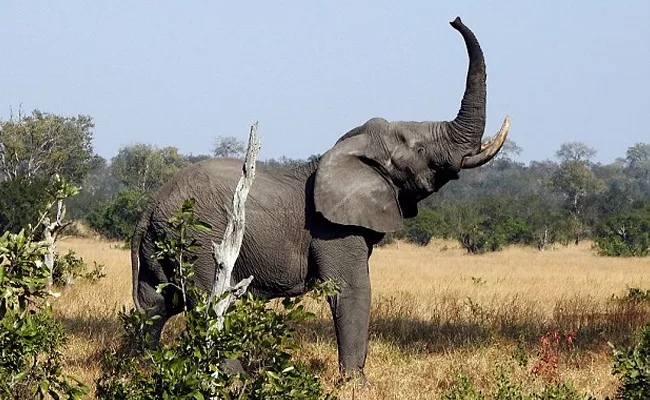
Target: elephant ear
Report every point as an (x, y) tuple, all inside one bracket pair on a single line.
[(349, 189)]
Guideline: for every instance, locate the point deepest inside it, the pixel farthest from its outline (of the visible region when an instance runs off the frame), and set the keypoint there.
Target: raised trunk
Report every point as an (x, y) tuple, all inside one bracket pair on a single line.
[(469, 124)]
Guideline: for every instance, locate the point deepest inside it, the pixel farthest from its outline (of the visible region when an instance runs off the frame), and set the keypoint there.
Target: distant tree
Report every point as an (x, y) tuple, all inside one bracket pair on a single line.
[(191, 158), (281, 164), (34, 149), (637, 167), (542, 171), (428, 224), (489, 223), (574, 179), (545, 202), (99, 186), (509, 151), (41, 145), (637, 158), (625, 234), (21, 202), (575, 151), (135, 172), (314, 157), (228, 146), (117, 217), (145, 167), (100, 179)]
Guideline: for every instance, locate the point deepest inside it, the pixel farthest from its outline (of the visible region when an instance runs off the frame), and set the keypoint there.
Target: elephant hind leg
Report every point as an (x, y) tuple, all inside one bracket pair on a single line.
[(154, 304)]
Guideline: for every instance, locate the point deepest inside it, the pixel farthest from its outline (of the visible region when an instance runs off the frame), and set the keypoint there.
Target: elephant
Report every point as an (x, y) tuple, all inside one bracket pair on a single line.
[(322, 219)]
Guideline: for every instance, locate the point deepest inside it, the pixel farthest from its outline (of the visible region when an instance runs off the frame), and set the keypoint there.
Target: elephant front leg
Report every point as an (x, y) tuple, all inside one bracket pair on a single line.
[(351, 314)]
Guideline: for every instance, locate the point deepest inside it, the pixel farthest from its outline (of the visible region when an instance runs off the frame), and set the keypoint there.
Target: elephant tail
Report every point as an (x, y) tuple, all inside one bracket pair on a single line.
[(136, 243)]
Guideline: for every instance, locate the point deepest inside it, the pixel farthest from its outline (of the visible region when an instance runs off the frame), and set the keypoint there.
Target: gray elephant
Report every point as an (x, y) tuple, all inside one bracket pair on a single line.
[(321, 220)]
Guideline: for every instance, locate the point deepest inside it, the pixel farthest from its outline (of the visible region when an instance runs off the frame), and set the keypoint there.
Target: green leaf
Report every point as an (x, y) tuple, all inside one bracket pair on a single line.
[(161, 287), (76, 378), (197, 395), (21, 375)]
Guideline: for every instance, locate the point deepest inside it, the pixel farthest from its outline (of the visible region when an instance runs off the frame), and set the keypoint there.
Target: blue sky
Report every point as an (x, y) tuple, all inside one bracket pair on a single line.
[(181, 73)]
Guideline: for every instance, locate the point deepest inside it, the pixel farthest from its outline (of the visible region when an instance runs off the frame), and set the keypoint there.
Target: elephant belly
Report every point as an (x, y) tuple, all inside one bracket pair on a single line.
[(274, 251), (275, 245), (274, 275)]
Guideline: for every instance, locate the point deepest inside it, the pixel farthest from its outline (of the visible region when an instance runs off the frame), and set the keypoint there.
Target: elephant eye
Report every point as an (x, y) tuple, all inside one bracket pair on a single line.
[(422, 151)]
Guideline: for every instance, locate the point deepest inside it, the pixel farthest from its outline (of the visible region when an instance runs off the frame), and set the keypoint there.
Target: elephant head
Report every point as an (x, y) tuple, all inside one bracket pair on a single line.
[(376, 173)]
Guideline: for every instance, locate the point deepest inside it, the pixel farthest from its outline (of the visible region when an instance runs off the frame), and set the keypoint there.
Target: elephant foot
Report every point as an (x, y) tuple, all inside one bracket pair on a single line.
[(357, 378)]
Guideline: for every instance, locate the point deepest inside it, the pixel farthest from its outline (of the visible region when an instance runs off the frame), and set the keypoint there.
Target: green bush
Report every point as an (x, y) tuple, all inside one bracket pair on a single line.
[(626, 235), (428, 224), (463, 389), (21, 202), (480, 225), (389, 238), (632, 365), (256, 341), (261, 339), (489, 223), (117, 217), (634, 295), (30, 338), (69, 267), (493, 234)]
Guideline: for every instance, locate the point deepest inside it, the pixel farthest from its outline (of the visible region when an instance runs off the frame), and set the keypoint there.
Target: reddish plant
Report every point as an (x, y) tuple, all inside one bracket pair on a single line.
[(551, 345)]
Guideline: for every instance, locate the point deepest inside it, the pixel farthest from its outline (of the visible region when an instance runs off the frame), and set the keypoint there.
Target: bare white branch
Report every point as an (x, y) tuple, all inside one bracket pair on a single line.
[(225, 254), (50, 233)]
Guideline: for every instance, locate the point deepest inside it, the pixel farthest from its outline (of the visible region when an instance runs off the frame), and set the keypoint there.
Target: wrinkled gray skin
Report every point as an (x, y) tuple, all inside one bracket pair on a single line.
[(321, 220)]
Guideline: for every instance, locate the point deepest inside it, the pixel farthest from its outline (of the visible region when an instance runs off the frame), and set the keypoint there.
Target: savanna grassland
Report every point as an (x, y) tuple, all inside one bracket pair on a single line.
[(435, 311)]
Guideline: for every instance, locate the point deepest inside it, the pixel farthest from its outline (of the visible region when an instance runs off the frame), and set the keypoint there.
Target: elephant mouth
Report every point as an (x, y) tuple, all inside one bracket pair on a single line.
[(409, 208), (422, 195), (408, 202)]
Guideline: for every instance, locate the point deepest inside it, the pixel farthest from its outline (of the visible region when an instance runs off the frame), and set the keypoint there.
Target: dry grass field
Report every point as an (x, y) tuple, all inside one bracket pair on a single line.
[(435, 311)]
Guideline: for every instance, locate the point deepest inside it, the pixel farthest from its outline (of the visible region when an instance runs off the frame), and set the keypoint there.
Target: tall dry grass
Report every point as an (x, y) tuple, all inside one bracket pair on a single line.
[(435, 311)]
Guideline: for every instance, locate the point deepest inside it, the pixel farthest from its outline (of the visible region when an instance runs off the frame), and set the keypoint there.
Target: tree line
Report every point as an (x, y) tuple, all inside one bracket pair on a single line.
[(563, 201), (559, 201)]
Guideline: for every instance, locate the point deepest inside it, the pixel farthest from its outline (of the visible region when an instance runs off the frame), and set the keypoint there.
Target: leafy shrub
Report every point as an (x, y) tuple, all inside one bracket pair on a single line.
[(504, 389), (389, 238), (512, 230), (249, 358), (30, 338), (21, 202), (116, 218), (193, 367), (626, 235), (635, 295), (493, 234), (561, 391), (463, 389), (69, 267), (489, 223), (633, 367), (78, 229), (426, 225), (480, 225)]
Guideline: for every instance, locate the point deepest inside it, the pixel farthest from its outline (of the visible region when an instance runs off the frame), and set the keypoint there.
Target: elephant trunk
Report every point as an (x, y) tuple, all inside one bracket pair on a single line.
[(469, 125)]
